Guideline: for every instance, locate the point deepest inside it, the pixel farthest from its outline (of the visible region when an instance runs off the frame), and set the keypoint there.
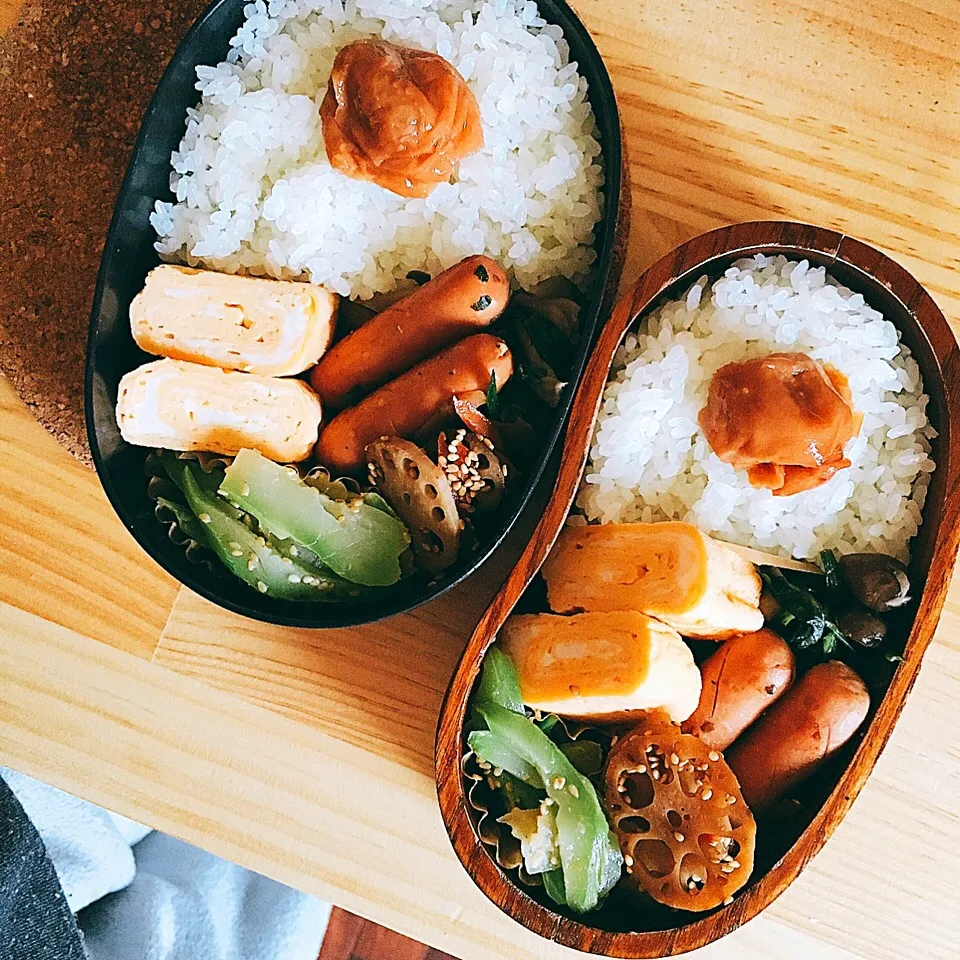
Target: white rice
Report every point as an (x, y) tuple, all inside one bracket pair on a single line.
[(649, 460), (255, 191)]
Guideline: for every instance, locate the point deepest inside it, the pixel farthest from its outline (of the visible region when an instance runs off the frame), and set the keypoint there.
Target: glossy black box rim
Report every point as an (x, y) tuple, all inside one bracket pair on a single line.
[(120, 466)]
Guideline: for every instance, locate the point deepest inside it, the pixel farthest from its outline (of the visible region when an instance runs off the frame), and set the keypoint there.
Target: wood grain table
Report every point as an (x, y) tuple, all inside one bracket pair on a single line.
[(308, 755)]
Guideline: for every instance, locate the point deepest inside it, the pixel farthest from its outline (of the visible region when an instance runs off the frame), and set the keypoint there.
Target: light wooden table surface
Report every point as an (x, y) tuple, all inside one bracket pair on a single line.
[(308, 756)]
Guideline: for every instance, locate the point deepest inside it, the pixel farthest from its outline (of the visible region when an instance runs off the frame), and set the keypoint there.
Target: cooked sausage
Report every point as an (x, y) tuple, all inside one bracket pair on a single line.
[(460, 301), (744, 677), (404, 405), (817, 717)]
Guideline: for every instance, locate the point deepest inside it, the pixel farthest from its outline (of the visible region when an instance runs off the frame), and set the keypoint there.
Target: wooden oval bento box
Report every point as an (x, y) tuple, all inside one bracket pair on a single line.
[(783, 847)]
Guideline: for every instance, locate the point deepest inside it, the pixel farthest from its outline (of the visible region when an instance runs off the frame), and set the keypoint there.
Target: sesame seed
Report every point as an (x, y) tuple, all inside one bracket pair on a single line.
[(713, 755), (628, 860), (641, 769), (245, 490), (558, 783), (728, 901), (727, 867), (233, 545), (294, 578), (236, 553), (674, 759), (261, 586), (251, 561), (442, 461), (731, 800), (286, 560), (204, 517), (735, 864), (573, 791), (678, 837)]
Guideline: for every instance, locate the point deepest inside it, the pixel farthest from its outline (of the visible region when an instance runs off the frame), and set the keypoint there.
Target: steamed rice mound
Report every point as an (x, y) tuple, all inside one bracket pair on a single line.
[(256, 193), (649, 460)]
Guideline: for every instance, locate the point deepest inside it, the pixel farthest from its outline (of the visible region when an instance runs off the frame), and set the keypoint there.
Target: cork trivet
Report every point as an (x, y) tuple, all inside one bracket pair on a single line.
[(75, 78)]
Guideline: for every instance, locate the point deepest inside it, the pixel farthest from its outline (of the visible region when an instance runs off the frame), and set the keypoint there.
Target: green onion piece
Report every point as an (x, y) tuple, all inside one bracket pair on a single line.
[(493, 398), (492, 750), (548, 722), (585, 755), (499, 682), (553, 884), (831, 569), (186, 521)]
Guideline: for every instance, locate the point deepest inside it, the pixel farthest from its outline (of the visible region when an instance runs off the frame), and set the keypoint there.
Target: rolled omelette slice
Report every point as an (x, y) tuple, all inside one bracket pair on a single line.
[(185, 406), (669, 570), (602, 666), (274, 328)]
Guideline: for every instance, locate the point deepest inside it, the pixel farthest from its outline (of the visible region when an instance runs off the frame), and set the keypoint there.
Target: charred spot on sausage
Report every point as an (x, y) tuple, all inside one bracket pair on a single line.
[(481, 273), (482, 303)]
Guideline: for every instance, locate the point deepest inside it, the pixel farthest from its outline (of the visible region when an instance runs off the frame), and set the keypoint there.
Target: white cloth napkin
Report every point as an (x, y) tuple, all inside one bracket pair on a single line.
[(186, 904), (175, 902)]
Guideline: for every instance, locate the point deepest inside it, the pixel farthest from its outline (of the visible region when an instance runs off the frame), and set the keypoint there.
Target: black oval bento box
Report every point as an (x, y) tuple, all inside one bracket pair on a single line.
[(129, 255)]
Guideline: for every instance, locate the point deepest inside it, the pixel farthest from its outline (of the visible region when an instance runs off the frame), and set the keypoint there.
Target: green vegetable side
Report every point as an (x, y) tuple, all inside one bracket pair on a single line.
[(358, 540), (271, 547), (841, 613), (590, 861), (263, 563)]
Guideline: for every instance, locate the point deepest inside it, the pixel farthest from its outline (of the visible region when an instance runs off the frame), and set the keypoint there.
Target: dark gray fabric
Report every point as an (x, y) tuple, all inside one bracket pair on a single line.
[(35, 921)]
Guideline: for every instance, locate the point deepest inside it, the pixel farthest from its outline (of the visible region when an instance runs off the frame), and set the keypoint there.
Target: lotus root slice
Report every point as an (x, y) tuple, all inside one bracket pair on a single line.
[(686, 833), (419, 492)]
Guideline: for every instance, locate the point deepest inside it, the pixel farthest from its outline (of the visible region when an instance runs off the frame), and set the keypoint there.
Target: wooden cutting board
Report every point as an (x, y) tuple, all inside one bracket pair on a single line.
[(308, 755)]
